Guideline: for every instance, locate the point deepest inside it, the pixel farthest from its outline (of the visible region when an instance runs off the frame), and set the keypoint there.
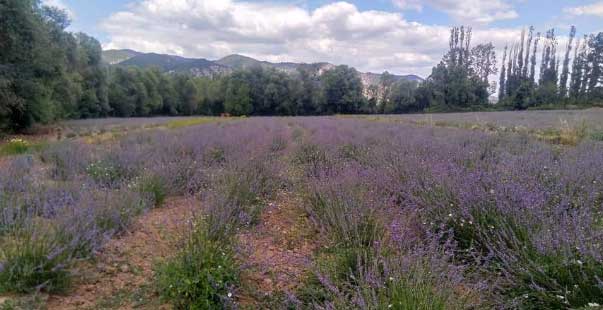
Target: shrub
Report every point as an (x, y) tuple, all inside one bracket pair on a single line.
[(483, 228), (33, 259), (104, 173), (372, 279), (154, 188), (311, 157), (66, 160), (201, 276), (117, 210), (215, 155), (354, 152), (345, 214), (553, 280)]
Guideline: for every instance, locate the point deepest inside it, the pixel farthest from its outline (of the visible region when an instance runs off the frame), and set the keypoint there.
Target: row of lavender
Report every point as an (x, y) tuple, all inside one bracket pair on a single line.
[(424, 218), (60, 205), (416, 218)]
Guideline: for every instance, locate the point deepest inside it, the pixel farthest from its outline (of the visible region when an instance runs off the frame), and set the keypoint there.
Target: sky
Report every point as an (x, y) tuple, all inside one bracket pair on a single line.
[(400, 36)]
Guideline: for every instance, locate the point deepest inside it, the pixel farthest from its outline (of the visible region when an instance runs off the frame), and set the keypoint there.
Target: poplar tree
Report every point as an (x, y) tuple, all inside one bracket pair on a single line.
[(566, 61), (502, 83)]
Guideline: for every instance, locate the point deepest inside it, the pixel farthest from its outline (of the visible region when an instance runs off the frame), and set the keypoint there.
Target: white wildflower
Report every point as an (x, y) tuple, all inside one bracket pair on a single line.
[(593, 304)]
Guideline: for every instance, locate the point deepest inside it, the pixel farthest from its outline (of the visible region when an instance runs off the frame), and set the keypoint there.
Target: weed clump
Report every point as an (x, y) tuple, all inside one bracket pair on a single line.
[(202, 276)]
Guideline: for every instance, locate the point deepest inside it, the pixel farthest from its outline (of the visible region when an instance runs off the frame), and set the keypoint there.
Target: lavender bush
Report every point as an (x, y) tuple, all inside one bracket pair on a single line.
[(412, 216)]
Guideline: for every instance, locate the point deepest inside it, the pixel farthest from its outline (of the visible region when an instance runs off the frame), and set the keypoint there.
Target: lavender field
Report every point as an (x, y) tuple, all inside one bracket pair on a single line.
[(385, 212)]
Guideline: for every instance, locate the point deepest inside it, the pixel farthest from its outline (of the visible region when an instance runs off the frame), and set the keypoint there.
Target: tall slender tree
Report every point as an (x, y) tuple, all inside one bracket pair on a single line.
[(576, 77), (502, 82), (595, 60), (520, 59), (533, 59), (566, 61), (528, 51), (549, 66)]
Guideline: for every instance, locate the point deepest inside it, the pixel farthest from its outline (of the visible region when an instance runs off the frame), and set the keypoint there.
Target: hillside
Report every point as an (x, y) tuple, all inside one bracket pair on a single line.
[(176, 64), (204, 67), (113, 57)]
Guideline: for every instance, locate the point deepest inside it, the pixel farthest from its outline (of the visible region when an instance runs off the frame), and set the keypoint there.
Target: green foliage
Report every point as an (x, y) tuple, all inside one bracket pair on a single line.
[(342, 91), (32, 259), (153, 187), (201, 276), (412, 293), (562, 283), (15, 147), (238, 100), (342, 212), (473, 234), (47, 73), (349, 277), (189, 122), (597, 135), (519, 88), (402, 98), (341, 265)]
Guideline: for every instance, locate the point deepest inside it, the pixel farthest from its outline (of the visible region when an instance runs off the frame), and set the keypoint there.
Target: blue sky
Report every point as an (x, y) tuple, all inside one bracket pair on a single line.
[(402, 36)]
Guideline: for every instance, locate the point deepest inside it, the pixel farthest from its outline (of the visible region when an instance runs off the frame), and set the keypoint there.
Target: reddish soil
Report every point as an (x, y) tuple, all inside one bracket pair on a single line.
[(125, 265), (278, 251)]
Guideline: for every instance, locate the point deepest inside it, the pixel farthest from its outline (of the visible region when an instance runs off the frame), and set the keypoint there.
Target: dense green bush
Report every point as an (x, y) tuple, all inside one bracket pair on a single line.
[(201, 276)]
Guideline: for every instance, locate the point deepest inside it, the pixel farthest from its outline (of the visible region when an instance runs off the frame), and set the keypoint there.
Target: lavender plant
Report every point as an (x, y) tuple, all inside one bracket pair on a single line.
[(457, 218)]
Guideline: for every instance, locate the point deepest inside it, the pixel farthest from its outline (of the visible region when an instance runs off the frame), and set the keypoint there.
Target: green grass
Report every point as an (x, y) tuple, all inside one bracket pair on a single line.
[(19, 147), (31, 261), (190, 122)]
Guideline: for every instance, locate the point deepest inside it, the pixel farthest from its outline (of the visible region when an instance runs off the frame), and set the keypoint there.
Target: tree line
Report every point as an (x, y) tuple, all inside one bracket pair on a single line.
[(48, 74), (556, 83)]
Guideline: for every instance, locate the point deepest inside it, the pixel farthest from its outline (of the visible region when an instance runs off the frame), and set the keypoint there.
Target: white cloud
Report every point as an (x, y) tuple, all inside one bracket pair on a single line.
[(465, 11), (338, 33), (61, 5), (595, 9)]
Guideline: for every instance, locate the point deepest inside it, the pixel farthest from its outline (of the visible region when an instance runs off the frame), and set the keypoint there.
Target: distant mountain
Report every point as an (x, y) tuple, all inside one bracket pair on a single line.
[(176, 64), (113, 57), (238, 62), (242, 62), (204, 67)]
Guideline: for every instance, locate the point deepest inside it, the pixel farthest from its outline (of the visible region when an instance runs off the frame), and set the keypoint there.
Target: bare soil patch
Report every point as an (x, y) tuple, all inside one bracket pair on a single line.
[(278, 252)]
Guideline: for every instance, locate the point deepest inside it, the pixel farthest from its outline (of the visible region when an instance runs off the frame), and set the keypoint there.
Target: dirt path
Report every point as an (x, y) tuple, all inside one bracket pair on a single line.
[(278, 251), (121, 275)]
